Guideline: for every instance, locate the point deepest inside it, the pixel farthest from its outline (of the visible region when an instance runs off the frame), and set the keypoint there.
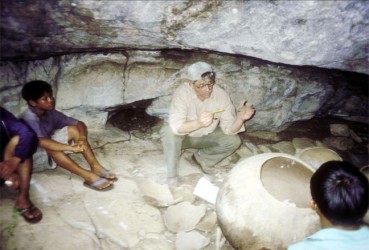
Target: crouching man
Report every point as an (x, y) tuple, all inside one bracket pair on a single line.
[(202, 116)]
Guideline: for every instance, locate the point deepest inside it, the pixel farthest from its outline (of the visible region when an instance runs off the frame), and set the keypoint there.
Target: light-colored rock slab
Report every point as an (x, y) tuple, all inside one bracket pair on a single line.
[(155, 194), (208, 223), (191, 240), (339, 130), (301, 143), (284, 147), (184, 193), (265, 148), (153, 244), (183, 216), (266, 135)]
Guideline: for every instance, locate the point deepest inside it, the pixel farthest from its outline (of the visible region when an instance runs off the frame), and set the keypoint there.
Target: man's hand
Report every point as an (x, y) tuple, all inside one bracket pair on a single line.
[(246, 112), (205, 119)]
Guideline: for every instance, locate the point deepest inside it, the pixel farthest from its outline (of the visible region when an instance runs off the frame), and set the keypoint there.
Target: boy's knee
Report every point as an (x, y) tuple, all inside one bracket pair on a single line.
[(73, 133)]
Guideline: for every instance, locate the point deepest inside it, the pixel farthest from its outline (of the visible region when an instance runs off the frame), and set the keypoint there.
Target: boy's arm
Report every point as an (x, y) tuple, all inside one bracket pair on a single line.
[(49, 144)]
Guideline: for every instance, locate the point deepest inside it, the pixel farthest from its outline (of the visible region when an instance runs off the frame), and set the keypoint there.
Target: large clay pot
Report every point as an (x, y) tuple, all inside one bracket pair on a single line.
[(265, 202)]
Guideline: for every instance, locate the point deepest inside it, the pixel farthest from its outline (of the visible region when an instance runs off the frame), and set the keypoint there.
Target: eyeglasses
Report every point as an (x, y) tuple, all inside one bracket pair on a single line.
[(204, 84)]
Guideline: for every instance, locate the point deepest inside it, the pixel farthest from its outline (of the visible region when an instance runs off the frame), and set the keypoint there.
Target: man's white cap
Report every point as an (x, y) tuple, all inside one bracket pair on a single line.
[(197, 69)]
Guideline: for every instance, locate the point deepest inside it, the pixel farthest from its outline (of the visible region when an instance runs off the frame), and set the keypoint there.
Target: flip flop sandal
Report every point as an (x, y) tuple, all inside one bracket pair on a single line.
[(34, 208), (105, 175), (94, 186), (26, 212)]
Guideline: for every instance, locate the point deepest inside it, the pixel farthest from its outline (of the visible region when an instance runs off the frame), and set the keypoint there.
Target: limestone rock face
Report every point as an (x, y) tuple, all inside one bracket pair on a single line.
[(327, 34), (88, 86)]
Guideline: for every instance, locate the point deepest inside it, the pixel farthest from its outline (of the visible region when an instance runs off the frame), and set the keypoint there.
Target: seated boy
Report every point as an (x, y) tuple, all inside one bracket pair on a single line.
[(340, 197), (56, 132), (18, 143)]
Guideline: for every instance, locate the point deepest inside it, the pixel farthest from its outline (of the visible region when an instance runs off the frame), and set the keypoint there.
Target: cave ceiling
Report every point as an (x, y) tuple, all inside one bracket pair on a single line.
[(326, 34)]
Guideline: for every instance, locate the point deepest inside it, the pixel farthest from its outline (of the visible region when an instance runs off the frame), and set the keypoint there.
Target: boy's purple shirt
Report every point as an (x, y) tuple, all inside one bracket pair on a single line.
[(45, 126)]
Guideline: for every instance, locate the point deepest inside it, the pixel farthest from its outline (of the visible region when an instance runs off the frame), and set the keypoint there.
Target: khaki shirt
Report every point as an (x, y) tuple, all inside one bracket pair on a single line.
[(187, 106)]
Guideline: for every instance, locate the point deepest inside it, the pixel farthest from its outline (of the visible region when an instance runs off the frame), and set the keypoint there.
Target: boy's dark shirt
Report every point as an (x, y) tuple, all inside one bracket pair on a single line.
[(45, 126), (10, 127)]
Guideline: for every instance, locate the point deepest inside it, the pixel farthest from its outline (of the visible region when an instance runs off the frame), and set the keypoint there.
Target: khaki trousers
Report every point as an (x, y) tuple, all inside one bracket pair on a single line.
[(213, 147)]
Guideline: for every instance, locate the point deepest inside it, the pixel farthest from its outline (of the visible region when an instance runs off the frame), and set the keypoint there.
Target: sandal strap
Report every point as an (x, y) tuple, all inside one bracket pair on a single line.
[(24, 210), (99, 182)]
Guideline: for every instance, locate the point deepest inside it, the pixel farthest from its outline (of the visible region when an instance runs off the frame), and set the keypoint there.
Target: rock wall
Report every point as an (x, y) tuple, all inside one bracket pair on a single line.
[(327, 34), (90, 85)]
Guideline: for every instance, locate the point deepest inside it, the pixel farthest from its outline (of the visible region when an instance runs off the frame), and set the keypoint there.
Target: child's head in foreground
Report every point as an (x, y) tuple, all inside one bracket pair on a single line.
[(34, 90), (340, 191)]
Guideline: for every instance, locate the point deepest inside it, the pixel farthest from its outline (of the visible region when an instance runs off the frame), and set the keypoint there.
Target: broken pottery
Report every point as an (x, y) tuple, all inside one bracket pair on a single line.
[(265, 202), (191, 240), (155, 194), (183, 216), (316, 156)]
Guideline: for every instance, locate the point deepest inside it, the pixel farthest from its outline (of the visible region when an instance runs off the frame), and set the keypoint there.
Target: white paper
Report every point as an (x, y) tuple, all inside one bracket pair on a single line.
[(206, 190)]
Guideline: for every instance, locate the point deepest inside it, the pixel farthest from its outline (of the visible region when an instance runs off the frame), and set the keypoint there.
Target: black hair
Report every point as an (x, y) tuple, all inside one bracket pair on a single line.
[(340, 191), (34, 90)]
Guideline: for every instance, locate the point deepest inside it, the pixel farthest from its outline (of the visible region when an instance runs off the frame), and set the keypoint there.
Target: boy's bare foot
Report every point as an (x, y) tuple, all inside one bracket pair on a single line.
[(97, 183), (103, 173), (100, 185)]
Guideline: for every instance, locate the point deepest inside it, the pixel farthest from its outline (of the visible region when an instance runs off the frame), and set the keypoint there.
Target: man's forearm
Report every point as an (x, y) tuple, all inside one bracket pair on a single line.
[(237, 124), (189, 126)]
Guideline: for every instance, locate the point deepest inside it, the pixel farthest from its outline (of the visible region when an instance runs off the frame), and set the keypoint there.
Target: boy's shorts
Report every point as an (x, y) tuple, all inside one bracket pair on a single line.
[(41, 160)]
